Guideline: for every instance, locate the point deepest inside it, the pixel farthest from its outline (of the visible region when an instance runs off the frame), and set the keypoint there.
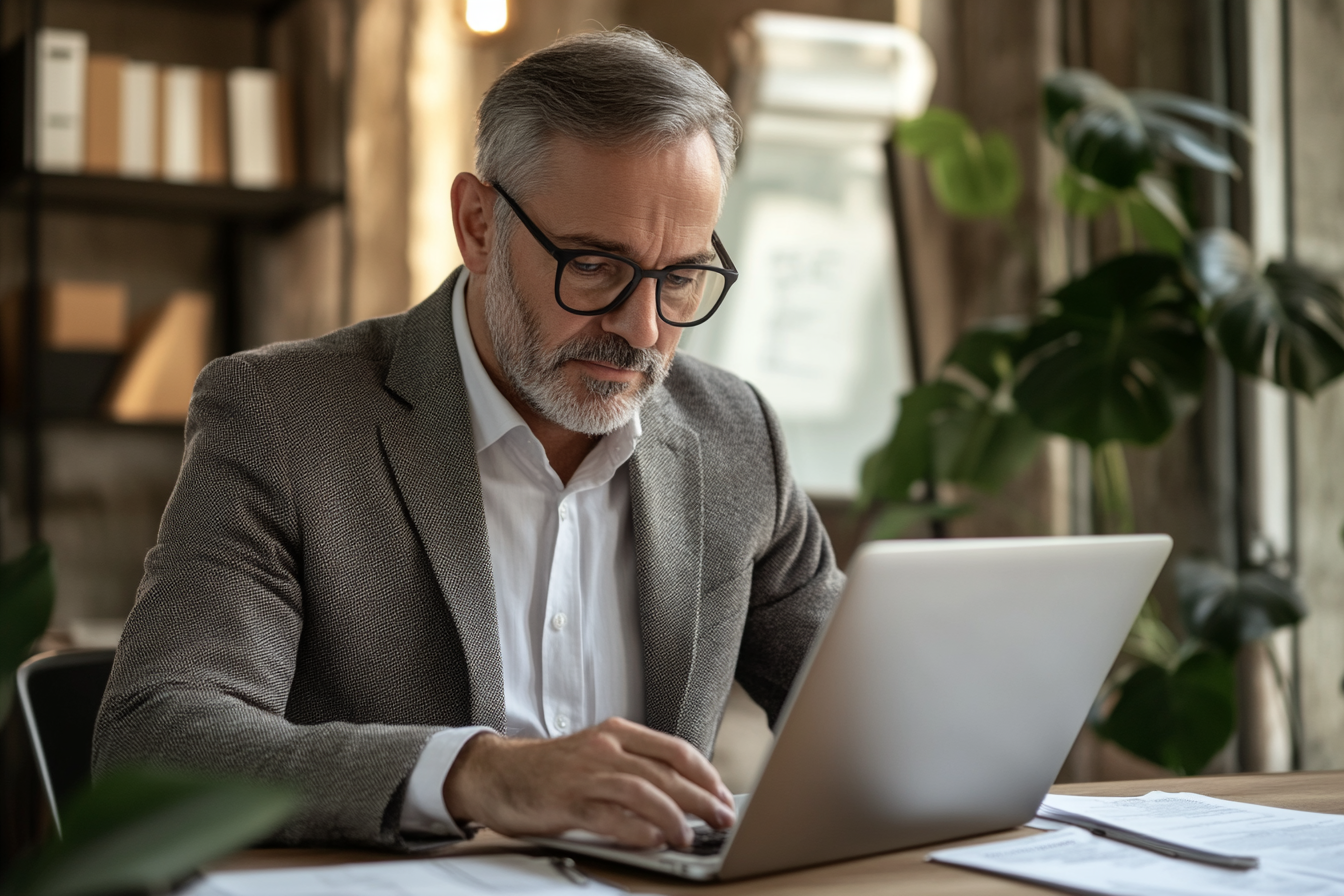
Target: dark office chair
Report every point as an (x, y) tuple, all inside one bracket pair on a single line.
[(60, 692)]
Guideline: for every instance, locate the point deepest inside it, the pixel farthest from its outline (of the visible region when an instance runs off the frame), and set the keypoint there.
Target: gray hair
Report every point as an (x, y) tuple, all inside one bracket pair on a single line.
[(616, 88)]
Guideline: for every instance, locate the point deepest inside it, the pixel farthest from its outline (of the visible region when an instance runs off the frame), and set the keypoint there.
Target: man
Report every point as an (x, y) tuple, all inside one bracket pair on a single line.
[(497, 559)]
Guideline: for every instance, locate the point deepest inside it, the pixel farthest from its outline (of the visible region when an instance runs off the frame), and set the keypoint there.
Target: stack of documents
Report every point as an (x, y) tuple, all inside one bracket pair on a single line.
[(465, 876), (1171, 843)]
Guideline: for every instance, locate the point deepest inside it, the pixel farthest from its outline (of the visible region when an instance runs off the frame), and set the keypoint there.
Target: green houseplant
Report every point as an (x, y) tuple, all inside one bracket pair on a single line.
[(1115, 356), (135, 829)]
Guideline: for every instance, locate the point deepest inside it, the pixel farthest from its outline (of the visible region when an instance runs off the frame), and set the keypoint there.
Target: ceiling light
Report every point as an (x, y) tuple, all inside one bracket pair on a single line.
[(487, 16)]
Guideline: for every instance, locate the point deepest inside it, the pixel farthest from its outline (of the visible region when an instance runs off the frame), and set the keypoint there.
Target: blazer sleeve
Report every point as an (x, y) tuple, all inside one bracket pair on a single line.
[(203, 671), (795, 583)]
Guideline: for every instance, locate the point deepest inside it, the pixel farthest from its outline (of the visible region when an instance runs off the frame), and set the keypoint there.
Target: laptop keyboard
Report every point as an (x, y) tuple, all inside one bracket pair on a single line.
[(707, 842)]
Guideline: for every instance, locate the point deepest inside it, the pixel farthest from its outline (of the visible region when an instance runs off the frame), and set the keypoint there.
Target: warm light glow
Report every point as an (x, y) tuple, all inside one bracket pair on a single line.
[(440, 101), (487, 16)]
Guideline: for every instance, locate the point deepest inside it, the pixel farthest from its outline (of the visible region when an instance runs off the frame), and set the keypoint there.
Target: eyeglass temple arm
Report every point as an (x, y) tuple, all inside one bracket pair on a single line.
[(723, 253)]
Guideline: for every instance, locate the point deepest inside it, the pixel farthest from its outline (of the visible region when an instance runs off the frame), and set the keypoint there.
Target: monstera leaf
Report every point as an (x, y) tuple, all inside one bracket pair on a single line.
[(891, 471), (1097, 127), (27, 592), (1177, 718), (1150, 209), (1285, 324), (972, 175), (1228, 609), (1118, 357), (984, 441), (1115, 136), (961, 428), (142, 830)]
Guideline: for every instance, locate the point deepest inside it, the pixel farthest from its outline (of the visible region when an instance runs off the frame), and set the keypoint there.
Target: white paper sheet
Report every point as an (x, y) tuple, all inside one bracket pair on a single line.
[(465, 876), (1073, 859), (1305, 841)]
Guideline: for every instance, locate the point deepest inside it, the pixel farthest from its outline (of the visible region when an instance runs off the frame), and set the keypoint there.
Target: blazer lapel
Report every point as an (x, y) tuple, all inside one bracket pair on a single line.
[(667, 508), (433, 459)]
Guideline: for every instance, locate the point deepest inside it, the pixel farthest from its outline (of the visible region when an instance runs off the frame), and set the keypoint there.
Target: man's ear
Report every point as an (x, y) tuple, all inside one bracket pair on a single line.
[(474, 221)]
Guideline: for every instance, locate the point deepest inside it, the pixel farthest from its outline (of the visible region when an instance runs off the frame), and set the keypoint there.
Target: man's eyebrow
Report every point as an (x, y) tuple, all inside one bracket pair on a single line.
[(592, 241), (699, 258)]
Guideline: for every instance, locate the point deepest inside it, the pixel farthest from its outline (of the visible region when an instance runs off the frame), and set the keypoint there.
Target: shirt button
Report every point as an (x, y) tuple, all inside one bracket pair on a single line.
[(558, 621), (564, 514), (562, 722)]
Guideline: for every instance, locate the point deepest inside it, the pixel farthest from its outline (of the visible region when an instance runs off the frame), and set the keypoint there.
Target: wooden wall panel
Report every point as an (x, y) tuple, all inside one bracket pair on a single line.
[(1318, 198), (377, 176)]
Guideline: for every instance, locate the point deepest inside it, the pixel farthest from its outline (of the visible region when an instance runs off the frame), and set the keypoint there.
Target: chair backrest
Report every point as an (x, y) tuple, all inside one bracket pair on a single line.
[(60, 692)]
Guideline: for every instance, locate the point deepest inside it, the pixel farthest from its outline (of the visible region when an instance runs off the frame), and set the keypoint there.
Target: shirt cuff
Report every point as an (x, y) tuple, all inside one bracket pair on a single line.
[(423, 811)]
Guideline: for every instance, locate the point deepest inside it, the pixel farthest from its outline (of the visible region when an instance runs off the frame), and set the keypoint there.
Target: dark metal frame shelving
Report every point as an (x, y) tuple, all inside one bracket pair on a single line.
[(232, 210)]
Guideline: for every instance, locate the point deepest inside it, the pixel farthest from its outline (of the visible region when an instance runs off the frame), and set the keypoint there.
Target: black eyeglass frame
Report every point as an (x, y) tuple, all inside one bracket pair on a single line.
[(564, 256)]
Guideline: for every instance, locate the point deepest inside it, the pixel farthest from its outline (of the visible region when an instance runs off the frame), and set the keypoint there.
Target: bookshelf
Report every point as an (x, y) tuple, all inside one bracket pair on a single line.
[(120, 196), (212, 33)]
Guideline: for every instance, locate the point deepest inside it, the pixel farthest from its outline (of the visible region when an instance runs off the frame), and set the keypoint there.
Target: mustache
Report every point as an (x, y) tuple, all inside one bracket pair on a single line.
[(611, 350)]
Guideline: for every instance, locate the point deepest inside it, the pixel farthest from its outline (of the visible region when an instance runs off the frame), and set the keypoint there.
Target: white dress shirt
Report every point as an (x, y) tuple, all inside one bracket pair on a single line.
[(563, 561)]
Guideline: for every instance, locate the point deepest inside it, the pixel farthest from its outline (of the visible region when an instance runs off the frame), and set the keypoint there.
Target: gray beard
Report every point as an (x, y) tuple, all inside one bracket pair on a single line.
[(601, 406)]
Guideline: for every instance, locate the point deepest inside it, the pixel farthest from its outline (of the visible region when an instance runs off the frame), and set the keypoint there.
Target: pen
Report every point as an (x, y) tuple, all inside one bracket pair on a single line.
[(570, 870), (1237, 863)]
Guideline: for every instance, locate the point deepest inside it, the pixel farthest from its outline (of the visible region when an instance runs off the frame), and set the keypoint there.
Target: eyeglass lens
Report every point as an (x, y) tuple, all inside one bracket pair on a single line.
[(590, 283)]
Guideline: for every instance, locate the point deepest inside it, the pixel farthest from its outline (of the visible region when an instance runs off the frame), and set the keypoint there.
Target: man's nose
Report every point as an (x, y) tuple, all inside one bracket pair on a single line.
[(636, 321)]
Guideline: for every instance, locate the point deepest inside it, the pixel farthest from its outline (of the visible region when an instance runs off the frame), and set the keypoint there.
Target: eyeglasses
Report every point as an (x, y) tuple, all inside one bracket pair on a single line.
[(592, 282)]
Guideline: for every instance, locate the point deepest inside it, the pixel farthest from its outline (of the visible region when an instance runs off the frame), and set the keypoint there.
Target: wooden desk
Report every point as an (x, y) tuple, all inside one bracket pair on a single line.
[(904, 871)]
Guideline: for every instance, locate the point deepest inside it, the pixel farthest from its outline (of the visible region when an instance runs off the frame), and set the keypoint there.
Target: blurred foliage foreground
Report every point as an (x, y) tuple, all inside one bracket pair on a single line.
[(1115, 356), (134, 829)]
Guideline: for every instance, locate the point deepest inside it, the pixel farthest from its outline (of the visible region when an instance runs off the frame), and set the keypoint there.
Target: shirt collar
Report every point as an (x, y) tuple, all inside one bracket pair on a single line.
[(492, 417)]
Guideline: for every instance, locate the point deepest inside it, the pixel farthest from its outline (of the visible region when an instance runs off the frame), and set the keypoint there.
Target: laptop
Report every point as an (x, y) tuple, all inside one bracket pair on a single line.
[(939, 702)]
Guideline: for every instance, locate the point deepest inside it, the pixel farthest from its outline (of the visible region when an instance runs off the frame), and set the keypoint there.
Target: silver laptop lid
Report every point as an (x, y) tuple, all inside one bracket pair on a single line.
[(944, 695)]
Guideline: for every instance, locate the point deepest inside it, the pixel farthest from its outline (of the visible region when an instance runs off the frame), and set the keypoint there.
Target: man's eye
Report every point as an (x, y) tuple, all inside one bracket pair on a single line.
[(598, 268)]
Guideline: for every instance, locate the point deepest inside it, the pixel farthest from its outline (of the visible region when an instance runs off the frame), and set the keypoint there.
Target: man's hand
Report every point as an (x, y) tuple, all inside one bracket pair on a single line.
[(618, 778)]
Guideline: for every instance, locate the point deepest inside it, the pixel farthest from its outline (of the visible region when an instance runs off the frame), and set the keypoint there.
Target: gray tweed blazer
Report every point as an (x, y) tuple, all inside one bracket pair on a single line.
[(320, 600)]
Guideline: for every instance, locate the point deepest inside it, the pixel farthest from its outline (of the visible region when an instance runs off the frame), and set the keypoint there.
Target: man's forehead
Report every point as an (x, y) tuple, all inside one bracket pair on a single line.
[(630, 200)]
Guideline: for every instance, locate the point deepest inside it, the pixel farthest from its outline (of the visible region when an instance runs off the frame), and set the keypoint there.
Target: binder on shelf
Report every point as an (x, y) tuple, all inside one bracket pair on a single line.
[(180, 100), (261, 130), (139, 133), (193, 131), (155, 382), (102, 113), (58, 143), (214, 125)]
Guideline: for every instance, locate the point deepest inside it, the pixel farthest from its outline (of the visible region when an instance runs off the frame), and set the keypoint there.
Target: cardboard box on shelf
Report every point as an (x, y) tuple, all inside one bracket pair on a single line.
[(75, 316), (85, 316), (156, 379), (82, 331)]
